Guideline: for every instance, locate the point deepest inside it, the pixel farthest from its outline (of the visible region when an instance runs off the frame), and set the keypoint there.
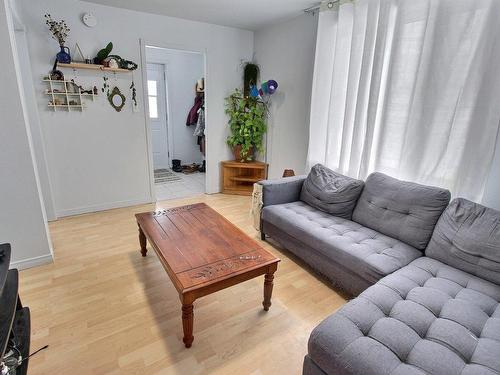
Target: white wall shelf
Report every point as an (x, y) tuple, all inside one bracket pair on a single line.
[(64, 97)]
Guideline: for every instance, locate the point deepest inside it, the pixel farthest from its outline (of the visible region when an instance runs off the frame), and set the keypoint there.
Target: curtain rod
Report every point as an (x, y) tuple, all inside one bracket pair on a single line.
[(315, 8)]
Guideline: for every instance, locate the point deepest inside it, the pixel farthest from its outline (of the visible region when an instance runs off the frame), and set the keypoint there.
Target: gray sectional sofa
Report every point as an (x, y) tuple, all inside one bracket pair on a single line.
[(427, 272)]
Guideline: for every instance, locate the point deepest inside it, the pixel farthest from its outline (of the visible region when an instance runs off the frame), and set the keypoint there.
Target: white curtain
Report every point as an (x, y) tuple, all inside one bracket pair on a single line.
[(410, 88)]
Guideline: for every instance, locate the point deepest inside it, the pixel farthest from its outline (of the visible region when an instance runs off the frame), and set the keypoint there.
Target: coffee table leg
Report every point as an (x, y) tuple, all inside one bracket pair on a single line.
[(187, 320), (142, 241), (268, 289)]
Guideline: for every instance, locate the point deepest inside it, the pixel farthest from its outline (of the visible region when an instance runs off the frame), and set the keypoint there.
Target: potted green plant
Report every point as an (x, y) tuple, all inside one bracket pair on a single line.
[(247, 121)]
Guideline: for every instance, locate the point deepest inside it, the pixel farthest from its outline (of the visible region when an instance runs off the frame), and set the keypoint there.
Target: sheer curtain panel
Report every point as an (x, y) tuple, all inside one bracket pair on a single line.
[(408, 88)]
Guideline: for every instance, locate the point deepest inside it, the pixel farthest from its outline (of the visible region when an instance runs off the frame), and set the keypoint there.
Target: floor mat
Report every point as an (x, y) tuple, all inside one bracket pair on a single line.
[(165, 175)]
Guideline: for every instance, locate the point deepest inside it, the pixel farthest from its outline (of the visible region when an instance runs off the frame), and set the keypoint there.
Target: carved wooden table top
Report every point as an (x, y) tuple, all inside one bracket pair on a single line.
[(203, 252)]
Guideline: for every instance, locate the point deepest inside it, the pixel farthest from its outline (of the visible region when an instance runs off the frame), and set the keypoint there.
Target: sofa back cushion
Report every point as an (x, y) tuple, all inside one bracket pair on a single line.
[(467, 237), (403, 210), (331, 192)]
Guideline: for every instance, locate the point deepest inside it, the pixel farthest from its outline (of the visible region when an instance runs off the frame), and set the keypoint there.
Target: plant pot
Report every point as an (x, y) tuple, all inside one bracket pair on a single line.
[(63, 57), (238, 156)]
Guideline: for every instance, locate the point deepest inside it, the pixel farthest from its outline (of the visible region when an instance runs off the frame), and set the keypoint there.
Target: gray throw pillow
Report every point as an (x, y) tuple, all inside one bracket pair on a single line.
[(467, 237), (404, 210), (331, 192)]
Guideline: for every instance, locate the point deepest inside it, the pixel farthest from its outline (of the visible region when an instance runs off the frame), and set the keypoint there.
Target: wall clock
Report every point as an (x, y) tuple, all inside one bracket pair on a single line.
[(89, 19)]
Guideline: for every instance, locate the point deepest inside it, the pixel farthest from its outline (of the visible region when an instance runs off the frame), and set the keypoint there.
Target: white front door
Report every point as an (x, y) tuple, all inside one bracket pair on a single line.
[(158, 115)]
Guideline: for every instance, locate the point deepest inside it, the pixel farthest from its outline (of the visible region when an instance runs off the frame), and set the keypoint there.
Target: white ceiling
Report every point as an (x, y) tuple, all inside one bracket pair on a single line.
[(245, 14)]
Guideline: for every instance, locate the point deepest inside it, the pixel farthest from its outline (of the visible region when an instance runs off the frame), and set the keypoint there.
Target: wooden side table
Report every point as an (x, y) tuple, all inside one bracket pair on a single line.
[(238, 178)]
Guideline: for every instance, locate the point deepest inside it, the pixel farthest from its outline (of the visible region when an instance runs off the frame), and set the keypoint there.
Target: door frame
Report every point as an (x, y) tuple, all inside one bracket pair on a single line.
[(143, 43), (170, 143)]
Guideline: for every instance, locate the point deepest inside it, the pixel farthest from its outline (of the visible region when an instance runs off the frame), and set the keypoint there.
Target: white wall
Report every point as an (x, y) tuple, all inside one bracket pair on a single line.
[(34, 121), (285, 52), (28, 90), (22, 216), (98, 158), (183, 70)]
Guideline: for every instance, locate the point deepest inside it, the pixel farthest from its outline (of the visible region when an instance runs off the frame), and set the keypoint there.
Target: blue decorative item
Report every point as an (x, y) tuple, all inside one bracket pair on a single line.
[(64, 57), (272, 85), (254, 93), (268, 88)]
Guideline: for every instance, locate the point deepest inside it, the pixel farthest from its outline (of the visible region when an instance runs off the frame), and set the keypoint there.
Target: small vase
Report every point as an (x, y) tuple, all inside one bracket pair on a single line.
[(63, 57)]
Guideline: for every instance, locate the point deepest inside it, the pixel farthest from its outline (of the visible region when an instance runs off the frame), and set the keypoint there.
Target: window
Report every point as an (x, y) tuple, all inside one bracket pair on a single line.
[(152, 99)]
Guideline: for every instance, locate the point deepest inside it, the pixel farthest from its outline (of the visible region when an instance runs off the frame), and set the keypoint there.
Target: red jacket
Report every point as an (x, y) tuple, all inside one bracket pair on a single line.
[(192, 118)]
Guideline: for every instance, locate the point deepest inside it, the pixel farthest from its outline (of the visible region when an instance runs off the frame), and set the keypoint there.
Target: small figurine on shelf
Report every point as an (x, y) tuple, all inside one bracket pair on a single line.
[(115, 62), (56, 101), (72, 87), (111, 62)]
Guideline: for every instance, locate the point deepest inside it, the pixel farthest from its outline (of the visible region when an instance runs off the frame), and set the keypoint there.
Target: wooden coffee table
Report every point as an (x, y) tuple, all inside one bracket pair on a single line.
[(203, 253)]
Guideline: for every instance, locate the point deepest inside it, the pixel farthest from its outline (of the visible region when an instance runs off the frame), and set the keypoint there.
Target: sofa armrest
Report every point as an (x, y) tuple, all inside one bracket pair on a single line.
[(281, 190)]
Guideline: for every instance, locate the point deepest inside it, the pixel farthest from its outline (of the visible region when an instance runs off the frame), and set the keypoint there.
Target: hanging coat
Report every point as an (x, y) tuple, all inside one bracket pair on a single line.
[(192, 117)]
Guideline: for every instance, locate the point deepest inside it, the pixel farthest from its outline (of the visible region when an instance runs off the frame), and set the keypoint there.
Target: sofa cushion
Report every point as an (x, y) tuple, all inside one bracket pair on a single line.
[(467, 236), (426, 318), (400, 209), (331, 192), (368, 253), (281, 190)]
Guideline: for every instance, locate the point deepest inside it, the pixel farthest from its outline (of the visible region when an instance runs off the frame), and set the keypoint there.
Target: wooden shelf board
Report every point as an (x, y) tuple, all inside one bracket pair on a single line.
[(237, 164), (69, 93), (246, 178), (92, 67), (56, 81)]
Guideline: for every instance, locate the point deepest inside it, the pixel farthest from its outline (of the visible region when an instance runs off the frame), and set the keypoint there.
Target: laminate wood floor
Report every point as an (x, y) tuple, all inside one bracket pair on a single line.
[(104, 309)]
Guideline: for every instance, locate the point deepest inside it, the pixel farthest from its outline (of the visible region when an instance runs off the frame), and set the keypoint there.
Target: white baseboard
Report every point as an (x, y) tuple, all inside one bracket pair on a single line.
[(103, 207), (32, 262)]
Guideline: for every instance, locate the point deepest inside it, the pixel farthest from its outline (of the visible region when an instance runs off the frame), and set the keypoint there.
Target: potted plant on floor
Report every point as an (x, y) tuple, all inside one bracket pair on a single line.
[(247, 121)]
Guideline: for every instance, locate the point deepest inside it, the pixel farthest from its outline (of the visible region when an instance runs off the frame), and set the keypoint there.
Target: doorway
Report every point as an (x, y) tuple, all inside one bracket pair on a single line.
[(157, 102), (175, 116)]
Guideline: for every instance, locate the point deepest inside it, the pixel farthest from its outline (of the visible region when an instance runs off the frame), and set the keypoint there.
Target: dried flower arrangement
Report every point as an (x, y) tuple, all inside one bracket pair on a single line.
[(59, 29)]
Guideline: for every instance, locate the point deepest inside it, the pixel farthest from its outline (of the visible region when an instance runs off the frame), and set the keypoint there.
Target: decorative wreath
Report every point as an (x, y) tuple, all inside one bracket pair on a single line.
[(123, 63)]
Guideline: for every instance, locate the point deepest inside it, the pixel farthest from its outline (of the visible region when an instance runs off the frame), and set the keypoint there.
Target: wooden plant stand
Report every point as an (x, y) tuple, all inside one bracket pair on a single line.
[(238, 178)]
